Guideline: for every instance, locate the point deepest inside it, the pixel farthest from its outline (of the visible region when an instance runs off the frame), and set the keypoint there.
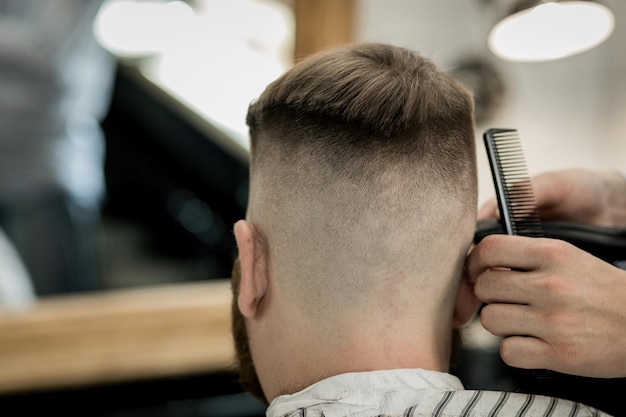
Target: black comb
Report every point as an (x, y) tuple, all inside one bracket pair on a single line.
[(514, 192)]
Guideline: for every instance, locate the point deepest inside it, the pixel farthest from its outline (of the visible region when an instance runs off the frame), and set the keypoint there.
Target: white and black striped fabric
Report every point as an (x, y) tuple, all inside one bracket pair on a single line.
[(416, 393)]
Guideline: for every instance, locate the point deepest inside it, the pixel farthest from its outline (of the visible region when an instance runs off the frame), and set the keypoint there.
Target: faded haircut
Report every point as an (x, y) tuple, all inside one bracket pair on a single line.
[(362, 168)]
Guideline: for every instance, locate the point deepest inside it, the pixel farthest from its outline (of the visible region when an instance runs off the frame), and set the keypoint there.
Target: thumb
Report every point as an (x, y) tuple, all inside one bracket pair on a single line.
[(489, 210)]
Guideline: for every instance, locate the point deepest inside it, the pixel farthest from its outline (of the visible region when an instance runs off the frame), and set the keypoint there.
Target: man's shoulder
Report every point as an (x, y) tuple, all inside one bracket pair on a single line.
[(474, 403)]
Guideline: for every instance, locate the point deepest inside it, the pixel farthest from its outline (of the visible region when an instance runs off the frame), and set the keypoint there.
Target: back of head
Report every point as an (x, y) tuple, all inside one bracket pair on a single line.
[(363, 178)]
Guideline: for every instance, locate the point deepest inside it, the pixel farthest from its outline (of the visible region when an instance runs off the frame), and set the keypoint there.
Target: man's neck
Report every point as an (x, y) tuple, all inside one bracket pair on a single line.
[(307, 357)]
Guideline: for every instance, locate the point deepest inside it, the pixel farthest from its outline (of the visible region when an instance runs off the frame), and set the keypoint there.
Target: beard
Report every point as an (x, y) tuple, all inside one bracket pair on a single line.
[(248, 378), (457, 347)]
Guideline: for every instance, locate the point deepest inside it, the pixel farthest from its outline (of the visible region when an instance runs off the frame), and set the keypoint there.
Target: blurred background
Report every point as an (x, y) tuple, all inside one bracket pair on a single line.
[(136, 111), (205, 60)]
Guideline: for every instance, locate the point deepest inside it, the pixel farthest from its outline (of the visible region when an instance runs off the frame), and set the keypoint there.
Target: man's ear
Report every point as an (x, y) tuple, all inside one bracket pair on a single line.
[(467, 304), (252, 257)]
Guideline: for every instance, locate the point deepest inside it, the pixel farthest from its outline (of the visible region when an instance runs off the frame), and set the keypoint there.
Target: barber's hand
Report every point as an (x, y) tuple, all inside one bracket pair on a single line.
[(566, 311), (593, 197)]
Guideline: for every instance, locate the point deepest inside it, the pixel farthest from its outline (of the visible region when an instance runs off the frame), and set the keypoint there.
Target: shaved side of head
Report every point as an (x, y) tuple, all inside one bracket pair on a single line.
[(363, 168)]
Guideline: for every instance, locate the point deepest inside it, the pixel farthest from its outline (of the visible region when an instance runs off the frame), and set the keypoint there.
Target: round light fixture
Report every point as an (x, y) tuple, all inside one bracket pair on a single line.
[(551, 30)]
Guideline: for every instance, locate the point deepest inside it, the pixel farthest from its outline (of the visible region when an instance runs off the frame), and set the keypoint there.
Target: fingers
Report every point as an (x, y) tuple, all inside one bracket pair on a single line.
[(550, 190), (504, 286), (528, 353), (523, 344), (489, 210), (515, 252), (594, 360), (510, 319), (523, 270), (555, 305)]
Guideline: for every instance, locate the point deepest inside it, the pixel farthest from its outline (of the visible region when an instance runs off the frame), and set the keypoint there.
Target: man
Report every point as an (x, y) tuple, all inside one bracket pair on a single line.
[(362, 208)]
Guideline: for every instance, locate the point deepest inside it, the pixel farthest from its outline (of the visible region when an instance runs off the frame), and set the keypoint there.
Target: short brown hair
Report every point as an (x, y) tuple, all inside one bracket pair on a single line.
[(385, 96)]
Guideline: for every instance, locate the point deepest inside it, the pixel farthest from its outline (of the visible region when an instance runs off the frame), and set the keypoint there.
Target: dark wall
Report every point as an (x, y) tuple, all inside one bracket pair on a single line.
[(175, 181), (184, 192)]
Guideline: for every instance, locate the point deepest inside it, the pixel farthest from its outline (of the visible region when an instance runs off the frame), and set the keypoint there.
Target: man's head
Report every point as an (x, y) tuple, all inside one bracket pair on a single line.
[(361, 209)]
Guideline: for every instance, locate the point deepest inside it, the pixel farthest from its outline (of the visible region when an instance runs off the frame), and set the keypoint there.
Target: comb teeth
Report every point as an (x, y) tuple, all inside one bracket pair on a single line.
[(518, 208)]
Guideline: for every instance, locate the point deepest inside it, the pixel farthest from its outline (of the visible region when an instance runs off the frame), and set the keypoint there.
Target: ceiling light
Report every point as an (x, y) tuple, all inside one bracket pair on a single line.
[(551, 30)]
